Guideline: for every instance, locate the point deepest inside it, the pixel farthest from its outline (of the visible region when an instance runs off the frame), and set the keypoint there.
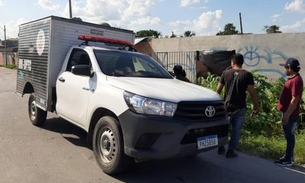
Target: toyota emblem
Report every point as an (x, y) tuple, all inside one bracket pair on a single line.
[(210, 111)]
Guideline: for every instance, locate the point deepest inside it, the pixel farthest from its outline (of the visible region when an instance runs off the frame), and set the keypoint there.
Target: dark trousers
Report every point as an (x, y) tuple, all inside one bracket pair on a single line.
[(289, 130)]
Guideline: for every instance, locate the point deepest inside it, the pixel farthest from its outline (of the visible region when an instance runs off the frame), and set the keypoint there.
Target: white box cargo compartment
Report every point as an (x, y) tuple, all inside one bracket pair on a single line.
[(43, 45)]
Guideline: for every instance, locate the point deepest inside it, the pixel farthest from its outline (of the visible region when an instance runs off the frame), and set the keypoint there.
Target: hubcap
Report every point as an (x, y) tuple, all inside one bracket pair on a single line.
[(107, 146), (33, 109)]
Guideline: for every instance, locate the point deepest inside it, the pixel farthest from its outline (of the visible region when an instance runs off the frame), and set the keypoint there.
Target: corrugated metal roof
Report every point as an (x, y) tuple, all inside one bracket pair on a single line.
[(137, 40)]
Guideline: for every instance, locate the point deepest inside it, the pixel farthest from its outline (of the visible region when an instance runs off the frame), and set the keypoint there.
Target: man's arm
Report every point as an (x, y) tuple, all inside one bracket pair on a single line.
[(253, 96), (219, 88), (292, 106)]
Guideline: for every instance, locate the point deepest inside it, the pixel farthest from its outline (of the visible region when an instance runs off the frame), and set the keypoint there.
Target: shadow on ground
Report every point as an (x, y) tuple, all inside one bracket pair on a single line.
[(69, 131), (188, 169)]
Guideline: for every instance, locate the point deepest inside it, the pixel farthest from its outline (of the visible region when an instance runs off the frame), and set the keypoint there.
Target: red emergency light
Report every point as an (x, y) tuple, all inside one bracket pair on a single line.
[(105, 40)]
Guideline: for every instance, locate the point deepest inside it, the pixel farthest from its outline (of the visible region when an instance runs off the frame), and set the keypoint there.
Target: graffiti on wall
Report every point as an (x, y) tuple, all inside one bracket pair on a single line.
[(255, 58)]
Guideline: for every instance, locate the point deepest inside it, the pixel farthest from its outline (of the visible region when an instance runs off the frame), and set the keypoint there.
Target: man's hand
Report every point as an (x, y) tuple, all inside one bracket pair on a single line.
[(285, 119), (254, 112)]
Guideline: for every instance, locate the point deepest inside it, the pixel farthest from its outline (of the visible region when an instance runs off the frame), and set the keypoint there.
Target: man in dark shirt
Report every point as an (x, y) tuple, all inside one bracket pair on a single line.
[(236, 82), (289, 105), (179, 74)]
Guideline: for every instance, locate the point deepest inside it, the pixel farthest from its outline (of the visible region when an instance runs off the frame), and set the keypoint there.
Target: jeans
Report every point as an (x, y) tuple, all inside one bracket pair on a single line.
[(236, 121), (289, 130)]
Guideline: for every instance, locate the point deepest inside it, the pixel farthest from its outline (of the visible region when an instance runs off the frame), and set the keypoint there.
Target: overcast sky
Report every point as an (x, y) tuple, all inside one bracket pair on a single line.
[(204, 17)]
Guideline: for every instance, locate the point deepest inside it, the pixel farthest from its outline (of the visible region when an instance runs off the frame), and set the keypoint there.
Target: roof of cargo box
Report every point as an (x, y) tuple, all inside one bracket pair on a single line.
[(78, 20)]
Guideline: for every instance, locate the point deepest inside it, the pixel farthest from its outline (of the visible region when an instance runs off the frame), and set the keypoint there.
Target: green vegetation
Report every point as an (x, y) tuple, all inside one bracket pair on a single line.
[(272, 147), (272, 29), (189, 33), (148, 33), (262, 134), (11, 66), (229, 29)]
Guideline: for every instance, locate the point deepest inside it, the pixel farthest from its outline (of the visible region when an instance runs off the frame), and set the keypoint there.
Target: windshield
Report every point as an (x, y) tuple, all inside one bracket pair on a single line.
[(129, 64)]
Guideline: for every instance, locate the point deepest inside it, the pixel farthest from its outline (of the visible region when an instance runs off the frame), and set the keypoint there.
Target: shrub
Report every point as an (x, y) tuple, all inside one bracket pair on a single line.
[(11, 66)]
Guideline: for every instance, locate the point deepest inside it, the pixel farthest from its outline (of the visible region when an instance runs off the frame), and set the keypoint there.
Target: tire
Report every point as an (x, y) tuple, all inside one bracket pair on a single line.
[(108, 146), (37, 116)]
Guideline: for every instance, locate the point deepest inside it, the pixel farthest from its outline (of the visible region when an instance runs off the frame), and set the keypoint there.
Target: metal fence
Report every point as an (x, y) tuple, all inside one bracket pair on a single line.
[(184, 58)]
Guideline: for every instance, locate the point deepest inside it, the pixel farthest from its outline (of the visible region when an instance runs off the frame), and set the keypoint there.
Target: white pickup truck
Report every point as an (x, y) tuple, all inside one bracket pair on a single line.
[(130, 106)]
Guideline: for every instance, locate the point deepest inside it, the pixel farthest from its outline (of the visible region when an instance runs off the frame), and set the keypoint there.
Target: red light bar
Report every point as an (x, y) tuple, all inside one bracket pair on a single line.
[(105, 40)]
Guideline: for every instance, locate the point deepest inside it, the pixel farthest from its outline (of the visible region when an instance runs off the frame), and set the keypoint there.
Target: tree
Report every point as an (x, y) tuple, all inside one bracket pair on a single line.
[(189, 34), (229, 29), (272, 29), (148, 33)]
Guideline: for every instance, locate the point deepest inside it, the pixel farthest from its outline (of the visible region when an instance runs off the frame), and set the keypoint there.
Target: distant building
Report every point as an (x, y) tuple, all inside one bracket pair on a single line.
[(143, 45), (11, 51)]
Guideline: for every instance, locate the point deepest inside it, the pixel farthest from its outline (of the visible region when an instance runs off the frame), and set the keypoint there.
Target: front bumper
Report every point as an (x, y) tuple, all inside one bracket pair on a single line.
[(169, 137)]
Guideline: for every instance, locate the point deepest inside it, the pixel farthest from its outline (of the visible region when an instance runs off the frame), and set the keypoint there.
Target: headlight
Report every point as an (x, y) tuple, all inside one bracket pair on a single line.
[(143, 105)]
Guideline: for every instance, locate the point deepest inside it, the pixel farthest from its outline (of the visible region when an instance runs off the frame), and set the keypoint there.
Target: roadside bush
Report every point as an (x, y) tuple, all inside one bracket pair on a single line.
[(210, 81), (11, 66), (267, 122)]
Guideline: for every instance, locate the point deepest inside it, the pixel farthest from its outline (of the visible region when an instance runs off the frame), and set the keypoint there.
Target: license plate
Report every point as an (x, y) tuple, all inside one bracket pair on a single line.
[(208, 141)]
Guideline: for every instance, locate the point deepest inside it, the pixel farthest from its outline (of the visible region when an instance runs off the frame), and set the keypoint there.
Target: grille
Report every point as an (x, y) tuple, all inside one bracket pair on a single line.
[(195, 111), (192, 135)]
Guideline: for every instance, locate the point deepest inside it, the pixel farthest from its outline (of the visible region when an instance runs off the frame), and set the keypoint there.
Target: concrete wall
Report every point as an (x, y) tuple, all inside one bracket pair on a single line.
[(262, 52), (12, 58)]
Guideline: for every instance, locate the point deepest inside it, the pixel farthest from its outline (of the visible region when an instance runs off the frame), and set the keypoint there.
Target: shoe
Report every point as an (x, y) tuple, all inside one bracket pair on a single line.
[(292, 159), (283, 162), (221, 150), (283, 158), (231, 154)]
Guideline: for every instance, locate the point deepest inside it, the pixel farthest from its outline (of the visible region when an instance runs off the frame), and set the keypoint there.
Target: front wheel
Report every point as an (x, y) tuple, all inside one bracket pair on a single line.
[(108, 146), (36, 115)]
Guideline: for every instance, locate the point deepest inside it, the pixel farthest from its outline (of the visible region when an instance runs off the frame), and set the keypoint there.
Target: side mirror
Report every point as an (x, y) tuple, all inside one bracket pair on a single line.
[(81, 70)]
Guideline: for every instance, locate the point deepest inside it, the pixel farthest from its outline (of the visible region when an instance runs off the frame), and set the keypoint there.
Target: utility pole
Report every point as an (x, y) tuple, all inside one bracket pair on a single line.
[(5, 45), (70, 8), (241, 24)]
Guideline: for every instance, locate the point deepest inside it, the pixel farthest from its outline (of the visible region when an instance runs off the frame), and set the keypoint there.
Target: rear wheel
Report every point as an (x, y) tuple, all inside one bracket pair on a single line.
[(36, 115), (108, 146)]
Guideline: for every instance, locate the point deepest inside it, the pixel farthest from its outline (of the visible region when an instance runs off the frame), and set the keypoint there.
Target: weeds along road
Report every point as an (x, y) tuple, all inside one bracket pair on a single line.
[(58, 152)]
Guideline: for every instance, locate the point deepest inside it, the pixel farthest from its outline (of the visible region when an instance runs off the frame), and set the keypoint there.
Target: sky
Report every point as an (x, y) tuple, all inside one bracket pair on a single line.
[(203, 17)]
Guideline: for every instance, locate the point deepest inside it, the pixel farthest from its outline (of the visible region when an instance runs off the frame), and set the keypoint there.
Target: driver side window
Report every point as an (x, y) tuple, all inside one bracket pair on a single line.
[(78, 57)]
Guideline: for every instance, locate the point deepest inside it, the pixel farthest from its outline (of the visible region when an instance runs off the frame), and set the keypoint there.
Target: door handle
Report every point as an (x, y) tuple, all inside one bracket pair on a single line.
[(84, 88), (61, 79)]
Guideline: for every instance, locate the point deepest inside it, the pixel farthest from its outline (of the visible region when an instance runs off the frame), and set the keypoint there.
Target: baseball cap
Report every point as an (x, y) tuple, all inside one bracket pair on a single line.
[(292, 63)]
